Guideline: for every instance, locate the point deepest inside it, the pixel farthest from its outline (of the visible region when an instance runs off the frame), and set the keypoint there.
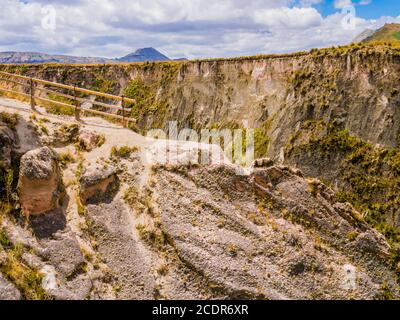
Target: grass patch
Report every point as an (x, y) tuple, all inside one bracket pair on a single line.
[(57, 109), (66, 157), (26, 279), (131, 196), (123, 152), (4, 241), (10, 119)]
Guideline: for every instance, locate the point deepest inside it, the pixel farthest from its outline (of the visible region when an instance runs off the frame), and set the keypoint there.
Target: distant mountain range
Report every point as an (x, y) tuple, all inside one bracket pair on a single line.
[(389, 32), (140, 55), (144, 54)]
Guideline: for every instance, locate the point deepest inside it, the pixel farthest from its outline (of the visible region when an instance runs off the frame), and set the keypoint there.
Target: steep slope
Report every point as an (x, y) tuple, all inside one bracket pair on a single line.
[(389, 32), (185, 231), (363, 35)]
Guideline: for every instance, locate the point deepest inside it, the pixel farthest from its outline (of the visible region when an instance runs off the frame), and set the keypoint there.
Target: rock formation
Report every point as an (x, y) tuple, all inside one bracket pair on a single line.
[(40, 186), (95, 181), (7, 142)]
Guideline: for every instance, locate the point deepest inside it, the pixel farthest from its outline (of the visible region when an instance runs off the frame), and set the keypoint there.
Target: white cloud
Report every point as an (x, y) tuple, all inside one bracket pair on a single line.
[(342, 3), (288, 17), (195, 28)]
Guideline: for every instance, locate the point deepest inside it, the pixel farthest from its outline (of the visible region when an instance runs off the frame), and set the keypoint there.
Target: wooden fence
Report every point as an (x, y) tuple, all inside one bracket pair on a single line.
[(34, 85)]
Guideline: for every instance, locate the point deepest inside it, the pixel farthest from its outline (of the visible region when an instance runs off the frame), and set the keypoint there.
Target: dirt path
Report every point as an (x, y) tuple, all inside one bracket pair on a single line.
[(115, 134)]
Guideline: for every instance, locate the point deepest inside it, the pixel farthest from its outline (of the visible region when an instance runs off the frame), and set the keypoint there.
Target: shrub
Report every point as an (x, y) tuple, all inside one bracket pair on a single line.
[(10, 119), (27, 279), (123, 152), (66, 157), (4, 241)]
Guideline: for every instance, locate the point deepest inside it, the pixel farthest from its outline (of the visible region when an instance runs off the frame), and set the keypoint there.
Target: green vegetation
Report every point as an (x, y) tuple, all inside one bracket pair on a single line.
[(8, 181), (101, 140), (66, 157), (152, 235), (58, 109), (10, 119), (368, 177), (4, 241), (131, 196), (123, 152), (104, 85), (149, 106), (351, 236), (27, 280), (80, 206), (389, 32), (261, 139), (43, 129), (313, 187)]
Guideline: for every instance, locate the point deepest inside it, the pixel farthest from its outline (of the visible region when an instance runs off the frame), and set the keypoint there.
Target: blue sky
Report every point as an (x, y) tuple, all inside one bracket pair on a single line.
[(189, 28), (374, 10)]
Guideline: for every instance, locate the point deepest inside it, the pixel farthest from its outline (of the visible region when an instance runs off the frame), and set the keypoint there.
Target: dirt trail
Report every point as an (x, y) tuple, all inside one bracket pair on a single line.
[(116, 134)]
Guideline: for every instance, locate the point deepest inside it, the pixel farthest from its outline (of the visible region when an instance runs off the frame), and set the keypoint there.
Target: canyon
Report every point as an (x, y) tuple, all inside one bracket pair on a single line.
[(322, 208)]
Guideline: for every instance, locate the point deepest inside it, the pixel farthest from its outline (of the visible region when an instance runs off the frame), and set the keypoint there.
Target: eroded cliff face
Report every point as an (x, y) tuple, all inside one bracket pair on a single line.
[(354, 90), (357, 87)]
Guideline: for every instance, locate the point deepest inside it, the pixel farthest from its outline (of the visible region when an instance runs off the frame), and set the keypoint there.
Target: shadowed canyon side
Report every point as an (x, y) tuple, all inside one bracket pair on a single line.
[(318, 218)]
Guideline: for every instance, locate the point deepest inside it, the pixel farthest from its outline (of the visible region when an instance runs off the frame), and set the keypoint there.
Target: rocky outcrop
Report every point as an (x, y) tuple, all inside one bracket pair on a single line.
[(95, 181), (40, 185), (7, 143), (271, 235), (65, 135)]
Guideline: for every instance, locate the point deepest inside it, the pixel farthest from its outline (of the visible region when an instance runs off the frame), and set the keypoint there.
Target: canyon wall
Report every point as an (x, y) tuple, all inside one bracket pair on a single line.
[(357, 87)]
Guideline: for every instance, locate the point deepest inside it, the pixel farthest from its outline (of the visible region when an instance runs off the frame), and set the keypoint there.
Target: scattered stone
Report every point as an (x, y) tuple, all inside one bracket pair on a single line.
[(64, 253), (89, 140), (263, 163), (8, 291), (65, 135)]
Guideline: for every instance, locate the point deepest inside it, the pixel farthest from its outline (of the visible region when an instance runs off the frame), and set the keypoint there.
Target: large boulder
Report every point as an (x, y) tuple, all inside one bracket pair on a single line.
[(96, 181), (40, 186)]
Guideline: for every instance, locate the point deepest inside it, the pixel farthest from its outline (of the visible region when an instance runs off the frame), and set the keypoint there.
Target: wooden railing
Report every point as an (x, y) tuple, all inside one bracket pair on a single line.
[(32, 86)]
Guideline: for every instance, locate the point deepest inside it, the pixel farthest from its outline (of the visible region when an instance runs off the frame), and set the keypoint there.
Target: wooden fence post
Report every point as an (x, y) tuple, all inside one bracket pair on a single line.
[(32, 91), (77, 106), (123, 112)]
